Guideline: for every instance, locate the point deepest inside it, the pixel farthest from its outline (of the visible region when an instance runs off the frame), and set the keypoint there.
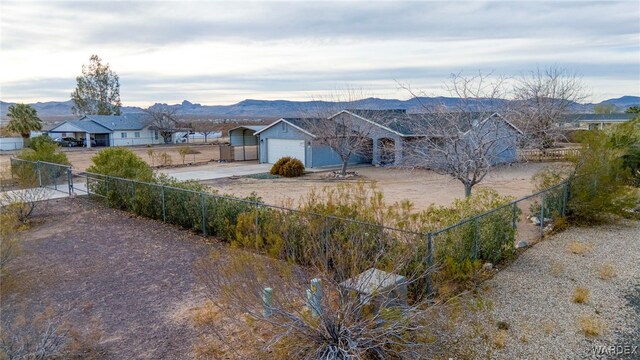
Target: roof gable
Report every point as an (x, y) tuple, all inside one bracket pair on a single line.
[(298, 123), (80, 126)]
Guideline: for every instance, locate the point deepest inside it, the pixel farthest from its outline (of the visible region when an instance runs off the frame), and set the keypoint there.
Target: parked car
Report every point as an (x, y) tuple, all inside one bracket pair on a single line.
[(93, 142), (68, 141)]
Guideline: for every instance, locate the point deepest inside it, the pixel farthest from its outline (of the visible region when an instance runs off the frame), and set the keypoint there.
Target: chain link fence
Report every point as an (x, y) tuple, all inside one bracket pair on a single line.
[(309, 238)]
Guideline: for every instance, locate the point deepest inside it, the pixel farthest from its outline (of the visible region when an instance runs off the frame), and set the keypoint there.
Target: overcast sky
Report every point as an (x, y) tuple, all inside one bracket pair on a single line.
[(224, 52)]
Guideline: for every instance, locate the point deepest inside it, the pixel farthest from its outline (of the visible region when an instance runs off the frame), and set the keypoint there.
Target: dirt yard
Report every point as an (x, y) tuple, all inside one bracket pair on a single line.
[(130, 279), (422, 187), (80, 158)]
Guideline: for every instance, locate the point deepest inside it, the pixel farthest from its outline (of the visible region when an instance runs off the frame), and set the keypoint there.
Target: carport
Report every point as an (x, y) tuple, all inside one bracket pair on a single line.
[(245, 142)]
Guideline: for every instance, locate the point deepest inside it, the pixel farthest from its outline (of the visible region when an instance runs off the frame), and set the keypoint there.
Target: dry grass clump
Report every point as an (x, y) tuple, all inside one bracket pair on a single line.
[(579, 248), (580, 295), (557, 268), (606, 272), (547, 327), (590, 326), (500, 340)]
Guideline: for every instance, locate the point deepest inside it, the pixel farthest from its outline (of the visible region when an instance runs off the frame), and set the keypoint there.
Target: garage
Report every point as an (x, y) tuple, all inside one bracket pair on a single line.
[(278, 148)]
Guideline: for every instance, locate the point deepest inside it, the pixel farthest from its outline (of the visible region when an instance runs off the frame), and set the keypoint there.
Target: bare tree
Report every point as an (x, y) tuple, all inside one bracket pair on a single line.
[(466, 139), (543, 98), (164, 120), (205, 128), (347, 136)]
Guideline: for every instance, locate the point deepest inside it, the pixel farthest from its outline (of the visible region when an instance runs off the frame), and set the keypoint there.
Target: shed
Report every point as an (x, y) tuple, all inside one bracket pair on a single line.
[(244, 141)]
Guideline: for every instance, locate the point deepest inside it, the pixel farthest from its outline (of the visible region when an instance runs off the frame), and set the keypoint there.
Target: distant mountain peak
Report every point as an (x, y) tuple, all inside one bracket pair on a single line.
[(61, 110)]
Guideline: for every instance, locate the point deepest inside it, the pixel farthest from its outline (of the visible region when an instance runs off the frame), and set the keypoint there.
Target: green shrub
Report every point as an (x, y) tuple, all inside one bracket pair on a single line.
[(121, 162), (292, 168), (275, 169), (43, 148), (600, 183)]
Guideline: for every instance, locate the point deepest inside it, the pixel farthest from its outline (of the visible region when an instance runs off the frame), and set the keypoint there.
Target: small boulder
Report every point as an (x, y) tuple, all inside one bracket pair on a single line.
[(487, 266), (521, 244)]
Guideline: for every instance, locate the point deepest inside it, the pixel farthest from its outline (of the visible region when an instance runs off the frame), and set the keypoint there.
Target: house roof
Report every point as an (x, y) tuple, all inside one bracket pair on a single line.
[(134, 121), (620, 117), (302, 124), (406, 124), (83, 126), (255, 128), (98, 124)]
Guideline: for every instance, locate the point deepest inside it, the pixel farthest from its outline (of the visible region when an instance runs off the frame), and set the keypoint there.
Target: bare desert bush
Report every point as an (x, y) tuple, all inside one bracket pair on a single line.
[(48, 335), (9, 246), (41, 337), (338, 315), (23, 202)]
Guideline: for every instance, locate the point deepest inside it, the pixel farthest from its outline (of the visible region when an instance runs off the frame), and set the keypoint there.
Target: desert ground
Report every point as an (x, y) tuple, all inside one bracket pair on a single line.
[(127, 287), (80, 158), (422, 187)]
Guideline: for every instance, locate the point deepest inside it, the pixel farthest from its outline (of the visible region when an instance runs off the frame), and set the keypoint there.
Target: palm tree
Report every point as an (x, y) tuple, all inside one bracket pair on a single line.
[(24, 119)]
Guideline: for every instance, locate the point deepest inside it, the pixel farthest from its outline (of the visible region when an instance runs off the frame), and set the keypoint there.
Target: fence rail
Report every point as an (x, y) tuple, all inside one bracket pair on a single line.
[(489, 236), (560, 154)]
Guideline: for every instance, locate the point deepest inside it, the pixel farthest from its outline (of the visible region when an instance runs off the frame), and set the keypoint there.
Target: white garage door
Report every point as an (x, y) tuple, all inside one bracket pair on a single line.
[(277, 148)]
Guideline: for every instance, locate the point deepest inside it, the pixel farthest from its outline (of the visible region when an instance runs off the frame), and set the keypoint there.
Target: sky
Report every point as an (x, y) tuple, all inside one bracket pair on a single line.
[(223, 52)]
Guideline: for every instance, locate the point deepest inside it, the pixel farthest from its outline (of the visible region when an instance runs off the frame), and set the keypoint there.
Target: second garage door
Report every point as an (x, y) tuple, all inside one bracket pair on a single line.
[(277, 148)]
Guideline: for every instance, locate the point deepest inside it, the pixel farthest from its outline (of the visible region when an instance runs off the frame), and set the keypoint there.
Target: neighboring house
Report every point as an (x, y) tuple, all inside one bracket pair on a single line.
[(394, 135), (110, 130), (602, 121)]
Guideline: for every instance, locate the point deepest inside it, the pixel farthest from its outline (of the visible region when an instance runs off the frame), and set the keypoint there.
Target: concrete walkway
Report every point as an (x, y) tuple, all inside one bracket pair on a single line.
[(27, 195), (216, 171)]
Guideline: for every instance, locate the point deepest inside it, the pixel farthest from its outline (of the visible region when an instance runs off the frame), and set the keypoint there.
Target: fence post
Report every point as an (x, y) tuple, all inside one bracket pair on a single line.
[(70, 181), (164, 212), (257, 230), (106, 180), (326, 233), (39, 173), (475, 240), (514, 220), (542, 216), (429, 262), (204, 214), (267, 302), (133, 196), (87, 184), (565, 198)]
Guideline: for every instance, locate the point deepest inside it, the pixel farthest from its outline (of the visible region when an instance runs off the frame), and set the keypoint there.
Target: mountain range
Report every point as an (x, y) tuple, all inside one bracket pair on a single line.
[(59, 110)]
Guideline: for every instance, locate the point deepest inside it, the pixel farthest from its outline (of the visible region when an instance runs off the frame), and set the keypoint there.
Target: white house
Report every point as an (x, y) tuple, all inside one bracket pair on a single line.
[(111, 130)]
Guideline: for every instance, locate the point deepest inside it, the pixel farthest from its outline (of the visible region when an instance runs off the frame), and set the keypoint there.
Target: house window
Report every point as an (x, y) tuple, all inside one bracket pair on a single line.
[(137, 134), (156, 135), (284, 126), (123, 135)]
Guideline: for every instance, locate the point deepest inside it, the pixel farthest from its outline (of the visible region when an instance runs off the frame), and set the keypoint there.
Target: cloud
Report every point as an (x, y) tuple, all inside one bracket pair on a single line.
[(299, 47)]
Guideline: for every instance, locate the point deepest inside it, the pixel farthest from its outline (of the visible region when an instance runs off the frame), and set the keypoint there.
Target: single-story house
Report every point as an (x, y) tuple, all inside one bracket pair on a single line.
[(602, 121), (394, 135), (293, 137), (111, 130)]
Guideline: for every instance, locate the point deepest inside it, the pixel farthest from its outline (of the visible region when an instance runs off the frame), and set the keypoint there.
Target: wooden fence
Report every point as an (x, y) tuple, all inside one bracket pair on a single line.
[(560, 154)]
